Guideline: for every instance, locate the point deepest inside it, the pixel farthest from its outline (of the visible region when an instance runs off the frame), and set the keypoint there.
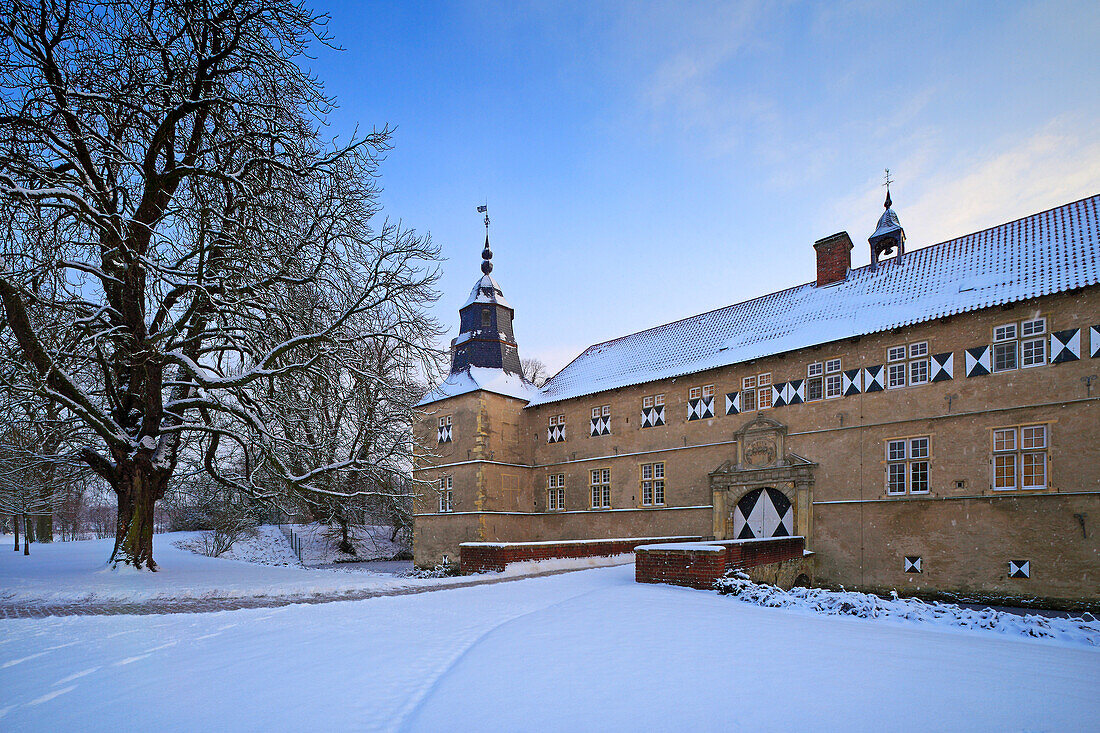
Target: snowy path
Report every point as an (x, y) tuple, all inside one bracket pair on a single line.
[(587, 650)]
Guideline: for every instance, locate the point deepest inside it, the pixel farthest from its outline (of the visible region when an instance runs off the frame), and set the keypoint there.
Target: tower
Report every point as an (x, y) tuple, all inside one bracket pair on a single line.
[(485, 336)]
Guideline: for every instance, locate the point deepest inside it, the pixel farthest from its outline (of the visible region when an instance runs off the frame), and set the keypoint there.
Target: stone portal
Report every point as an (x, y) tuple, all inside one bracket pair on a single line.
[(765, 491)]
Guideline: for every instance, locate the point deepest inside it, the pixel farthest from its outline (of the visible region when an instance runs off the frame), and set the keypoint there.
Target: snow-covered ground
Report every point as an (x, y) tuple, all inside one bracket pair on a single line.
[(76, 572), (319, 546), (590, 650)]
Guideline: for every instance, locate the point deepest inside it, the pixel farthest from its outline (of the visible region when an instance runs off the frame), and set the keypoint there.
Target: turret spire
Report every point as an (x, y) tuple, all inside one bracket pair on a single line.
[(486, 254)]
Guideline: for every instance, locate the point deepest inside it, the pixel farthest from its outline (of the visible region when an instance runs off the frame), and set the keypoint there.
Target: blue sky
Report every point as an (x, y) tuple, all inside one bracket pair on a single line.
[(644, 162)]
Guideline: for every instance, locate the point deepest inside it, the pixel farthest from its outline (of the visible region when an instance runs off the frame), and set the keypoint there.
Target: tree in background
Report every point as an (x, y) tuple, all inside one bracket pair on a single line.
[(211, 267), (534, 371)]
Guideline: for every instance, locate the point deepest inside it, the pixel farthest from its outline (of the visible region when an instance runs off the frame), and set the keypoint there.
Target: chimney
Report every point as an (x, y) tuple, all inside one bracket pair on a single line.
[(834, 258)]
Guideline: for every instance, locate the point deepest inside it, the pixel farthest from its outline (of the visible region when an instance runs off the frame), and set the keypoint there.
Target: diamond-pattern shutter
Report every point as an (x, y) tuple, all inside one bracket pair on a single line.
[(978, 361), (600, 426), (733, 403), (796, 392), (444, 433), (700, 408), (653, 416), (555, 434), (943, 367), (1065, 346), (1094, 341), (1019, 568), (913, 564), (850, 382), (872, 379), (779, 394)]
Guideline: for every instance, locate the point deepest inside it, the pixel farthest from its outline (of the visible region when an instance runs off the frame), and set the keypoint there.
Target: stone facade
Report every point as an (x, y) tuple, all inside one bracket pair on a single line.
[(827, 457)]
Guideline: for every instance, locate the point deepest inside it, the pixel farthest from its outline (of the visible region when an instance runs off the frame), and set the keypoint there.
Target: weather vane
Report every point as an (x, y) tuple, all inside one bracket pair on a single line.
[(486, 254), (889, 180)]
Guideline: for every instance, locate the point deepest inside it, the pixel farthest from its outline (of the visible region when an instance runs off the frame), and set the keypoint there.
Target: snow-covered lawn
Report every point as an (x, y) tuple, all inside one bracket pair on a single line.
[(589, 650), (75, 572)]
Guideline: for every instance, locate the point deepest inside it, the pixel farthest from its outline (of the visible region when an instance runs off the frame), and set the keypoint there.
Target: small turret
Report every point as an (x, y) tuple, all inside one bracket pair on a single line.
[(888, 234)]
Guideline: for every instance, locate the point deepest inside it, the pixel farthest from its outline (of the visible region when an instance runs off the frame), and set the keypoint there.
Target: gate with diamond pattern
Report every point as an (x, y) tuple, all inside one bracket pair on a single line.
[(765, 512)]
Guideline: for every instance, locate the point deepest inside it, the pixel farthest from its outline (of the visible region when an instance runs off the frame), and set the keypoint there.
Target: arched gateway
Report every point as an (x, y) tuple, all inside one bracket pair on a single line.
[(765, 512), (765, 492)]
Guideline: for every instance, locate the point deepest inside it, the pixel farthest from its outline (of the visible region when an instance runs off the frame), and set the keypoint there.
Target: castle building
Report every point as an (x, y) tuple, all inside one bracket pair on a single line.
[(929, 422)]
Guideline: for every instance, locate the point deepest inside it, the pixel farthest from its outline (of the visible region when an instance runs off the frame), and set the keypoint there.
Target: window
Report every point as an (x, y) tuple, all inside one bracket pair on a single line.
[(1025, 346), (907, 462), (653, 484), (486, 318), (694, 393), (814, 387), (601, 421), (1004, 347), (748, 394), (445, 435), (1020, 457), (446, 493), (907, 365), (601, 488), (555, 432), (764, 391), (1033, 351), (653, 411), (833, 386), (555, 492)]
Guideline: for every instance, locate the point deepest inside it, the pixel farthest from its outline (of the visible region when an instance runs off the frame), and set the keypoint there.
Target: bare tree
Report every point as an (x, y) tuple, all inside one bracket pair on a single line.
[(37, 469), (534, 370), (209, 262)]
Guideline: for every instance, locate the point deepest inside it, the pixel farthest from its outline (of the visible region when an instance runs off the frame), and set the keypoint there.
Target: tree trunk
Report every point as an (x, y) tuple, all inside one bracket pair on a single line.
[(138, 490), (15, 527), (44, 529), (26, 536)]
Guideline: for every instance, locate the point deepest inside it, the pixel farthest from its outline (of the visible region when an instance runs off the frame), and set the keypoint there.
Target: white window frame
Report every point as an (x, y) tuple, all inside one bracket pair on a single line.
[(652, 484), (555, 492), (446, 494), (833, 385), (909, 458), (600, 494), (764, 391), (1018, 455)]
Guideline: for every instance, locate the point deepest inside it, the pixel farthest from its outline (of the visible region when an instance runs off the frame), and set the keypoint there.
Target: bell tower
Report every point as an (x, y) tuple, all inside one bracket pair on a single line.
[(888, 233), (485, 336)]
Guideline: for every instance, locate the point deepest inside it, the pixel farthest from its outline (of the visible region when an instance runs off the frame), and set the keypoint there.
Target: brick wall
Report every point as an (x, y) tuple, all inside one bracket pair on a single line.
[(702, 563), (482, 557)]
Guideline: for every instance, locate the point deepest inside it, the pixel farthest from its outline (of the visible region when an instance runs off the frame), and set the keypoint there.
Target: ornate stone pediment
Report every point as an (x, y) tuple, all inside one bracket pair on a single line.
[(762, 456)]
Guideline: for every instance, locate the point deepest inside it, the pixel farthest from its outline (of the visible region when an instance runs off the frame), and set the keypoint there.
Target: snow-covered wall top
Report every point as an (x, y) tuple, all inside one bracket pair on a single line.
[(1049, 252)]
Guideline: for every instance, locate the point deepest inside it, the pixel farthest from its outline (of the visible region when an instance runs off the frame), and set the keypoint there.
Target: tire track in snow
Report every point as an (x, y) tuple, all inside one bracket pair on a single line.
[(412, 707)]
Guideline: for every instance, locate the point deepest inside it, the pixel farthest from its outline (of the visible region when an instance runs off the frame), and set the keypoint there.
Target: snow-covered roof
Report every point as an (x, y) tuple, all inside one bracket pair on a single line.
[(887, 224), (486, 290), (1049, 252), (472, 379)]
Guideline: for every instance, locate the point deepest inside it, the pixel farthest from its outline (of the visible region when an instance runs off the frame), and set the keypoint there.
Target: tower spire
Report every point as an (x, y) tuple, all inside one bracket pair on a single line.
[(889, 180), (486, 254)]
